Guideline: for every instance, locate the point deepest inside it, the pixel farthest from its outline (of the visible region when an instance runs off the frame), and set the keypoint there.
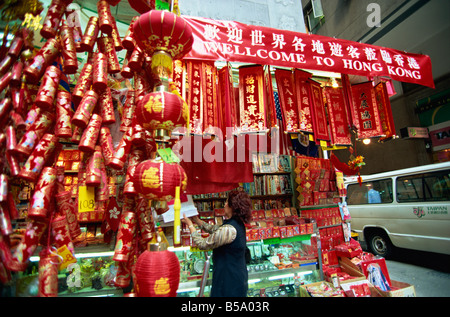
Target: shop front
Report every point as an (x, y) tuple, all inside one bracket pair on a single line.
[(102, 155)]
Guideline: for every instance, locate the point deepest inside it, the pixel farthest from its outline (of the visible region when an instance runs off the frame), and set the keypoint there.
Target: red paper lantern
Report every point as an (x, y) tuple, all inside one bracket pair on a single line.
[(157, 274), (157, 180), (161, 110), (164, 36)]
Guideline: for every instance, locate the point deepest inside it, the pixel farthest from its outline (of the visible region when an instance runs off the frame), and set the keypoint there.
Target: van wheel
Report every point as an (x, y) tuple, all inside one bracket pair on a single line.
[(379, 244)]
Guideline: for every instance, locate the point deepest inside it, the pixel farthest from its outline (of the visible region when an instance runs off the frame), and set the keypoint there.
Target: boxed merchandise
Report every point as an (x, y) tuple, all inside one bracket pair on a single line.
[(361, 288), (320, 289)]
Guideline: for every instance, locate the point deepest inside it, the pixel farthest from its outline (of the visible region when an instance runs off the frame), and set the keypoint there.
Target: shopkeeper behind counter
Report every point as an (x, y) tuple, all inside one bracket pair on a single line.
[(228, 242)]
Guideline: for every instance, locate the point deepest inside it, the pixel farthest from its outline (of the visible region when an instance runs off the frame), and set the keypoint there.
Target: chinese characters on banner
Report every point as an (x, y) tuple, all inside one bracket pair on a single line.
[(286, 92), (366, 111), (194, 69), (209, 90), (303, 92), (252, 105), (340, 133), (204, 116), (237, 42), (320, 125), (384, 108), (227, 99)]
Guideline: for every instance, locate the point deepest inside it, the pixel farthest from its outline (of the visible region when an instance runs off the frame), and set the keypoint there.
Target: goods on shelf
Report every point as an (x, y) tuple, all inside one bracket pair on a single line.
[(316, 181)]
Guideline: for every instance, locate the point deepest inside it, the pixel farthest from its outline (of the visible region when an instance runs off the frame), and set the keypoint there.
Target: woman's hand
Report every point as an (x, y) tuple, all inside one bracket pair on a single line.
[(186, 220)]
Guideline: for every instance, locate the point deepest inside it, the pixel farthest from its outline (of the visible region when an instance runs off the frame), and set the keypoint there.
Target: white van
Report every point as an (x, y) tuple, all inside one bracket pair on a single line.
[(407, 208)]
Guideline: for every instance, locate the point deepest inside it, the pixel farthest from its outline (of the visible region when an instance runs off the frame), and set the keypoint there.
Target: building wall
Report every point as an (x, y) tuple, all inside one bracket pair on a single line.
[(417, 26)]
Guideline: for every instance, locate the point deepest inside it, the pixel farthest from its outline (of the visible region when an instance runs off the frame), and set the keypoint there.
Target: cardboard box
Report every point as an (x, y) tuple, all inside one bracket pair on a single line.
[(399, 289)]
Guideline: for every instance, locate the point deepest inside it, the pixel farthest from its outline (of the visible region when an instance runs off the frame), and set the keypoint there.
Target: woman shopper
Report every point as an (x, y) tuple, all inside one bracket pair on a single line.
[(228, 242)]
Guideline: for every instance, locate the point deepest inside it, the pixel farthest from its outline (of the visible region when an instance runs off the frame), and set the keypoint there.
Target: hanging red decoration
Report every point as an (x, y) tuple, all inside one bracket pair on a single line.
[(157, 180), (320, 125), (164, 36), (337, 117), (161, 111), (289, 107), (253, 115), (367, 114), (304, 101), (157, 274)]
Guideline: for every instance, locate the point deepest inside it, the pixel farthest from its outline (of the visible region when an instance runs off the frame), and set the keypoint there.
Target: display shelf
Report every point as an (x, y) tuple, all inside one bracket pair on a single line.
[(274, 274)]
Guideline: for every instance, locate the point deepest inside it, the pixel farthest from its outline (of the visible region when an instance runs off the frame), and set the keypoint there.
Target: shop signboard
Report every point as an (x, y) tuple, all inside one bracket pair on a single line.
[(440, 136)]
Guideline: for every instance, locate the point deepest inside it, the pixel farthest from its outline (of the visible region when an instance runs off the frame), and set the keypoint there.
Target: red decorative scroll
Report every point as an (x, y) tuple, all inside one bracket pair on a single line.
[(369, 123), (304, 102), (340, 133), (195, 104), (252, 103), (385, 111), (209, 94), (227, 99), (286, 91), (320, 125)]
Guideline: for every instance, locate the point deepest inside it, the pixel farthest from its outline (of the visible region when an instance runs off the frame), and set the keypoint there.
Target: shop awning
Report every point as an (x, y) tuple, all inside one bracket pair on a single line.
[(232, 41)]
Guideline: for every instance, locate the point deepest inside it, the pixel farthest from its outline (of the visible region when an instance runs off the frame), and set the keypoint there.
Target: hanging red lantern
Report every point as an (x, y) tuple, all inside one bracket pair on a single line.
[(157, 180), (161, 111), (164, 36), (157, 274)]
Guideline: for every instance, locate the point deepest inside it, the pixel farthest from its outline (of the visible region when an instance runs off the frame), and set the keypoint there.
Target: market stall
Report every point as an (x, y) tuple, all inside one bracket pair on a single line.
[(110, 132)]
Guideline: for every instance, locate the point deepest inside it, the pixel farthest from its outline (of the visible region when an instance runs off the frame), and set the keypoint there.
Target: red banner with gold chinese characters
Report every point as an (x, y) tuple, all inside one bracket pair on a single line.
[(227, 99), (252, 99), (288, 100), (211, 115), (304, 102), (339, 128), (366, 111), (384, 108), (320, 125), (194, 69)]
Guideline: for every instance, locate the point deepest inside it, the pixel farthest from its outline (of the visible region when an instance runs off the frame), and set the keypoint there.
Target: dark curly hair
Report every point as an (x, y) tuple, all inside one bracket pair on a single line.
[(241, 205)]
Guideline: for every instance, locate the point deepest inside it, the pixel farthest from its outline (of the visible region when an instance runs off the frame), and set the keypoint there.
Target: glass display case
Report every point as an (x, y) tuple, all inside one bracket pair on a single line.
[(275, 268), (92, 274)]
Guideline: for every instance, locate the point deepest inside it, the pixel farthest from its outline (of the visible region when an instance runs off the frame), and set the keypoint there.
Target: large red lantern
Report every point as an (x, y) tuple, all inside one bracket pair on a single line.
[(164, 36), (157, 274), (161, 111), (157, 180)]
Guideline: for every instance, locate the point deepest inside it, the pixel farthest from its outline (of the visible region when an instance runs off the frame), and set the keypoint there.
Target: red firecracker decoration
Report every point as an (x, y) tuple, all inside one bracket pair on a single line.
[(48, 88), (69, 52), (48, 274), (43, 194), (90, 34), (44, 57), (53, 18)]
